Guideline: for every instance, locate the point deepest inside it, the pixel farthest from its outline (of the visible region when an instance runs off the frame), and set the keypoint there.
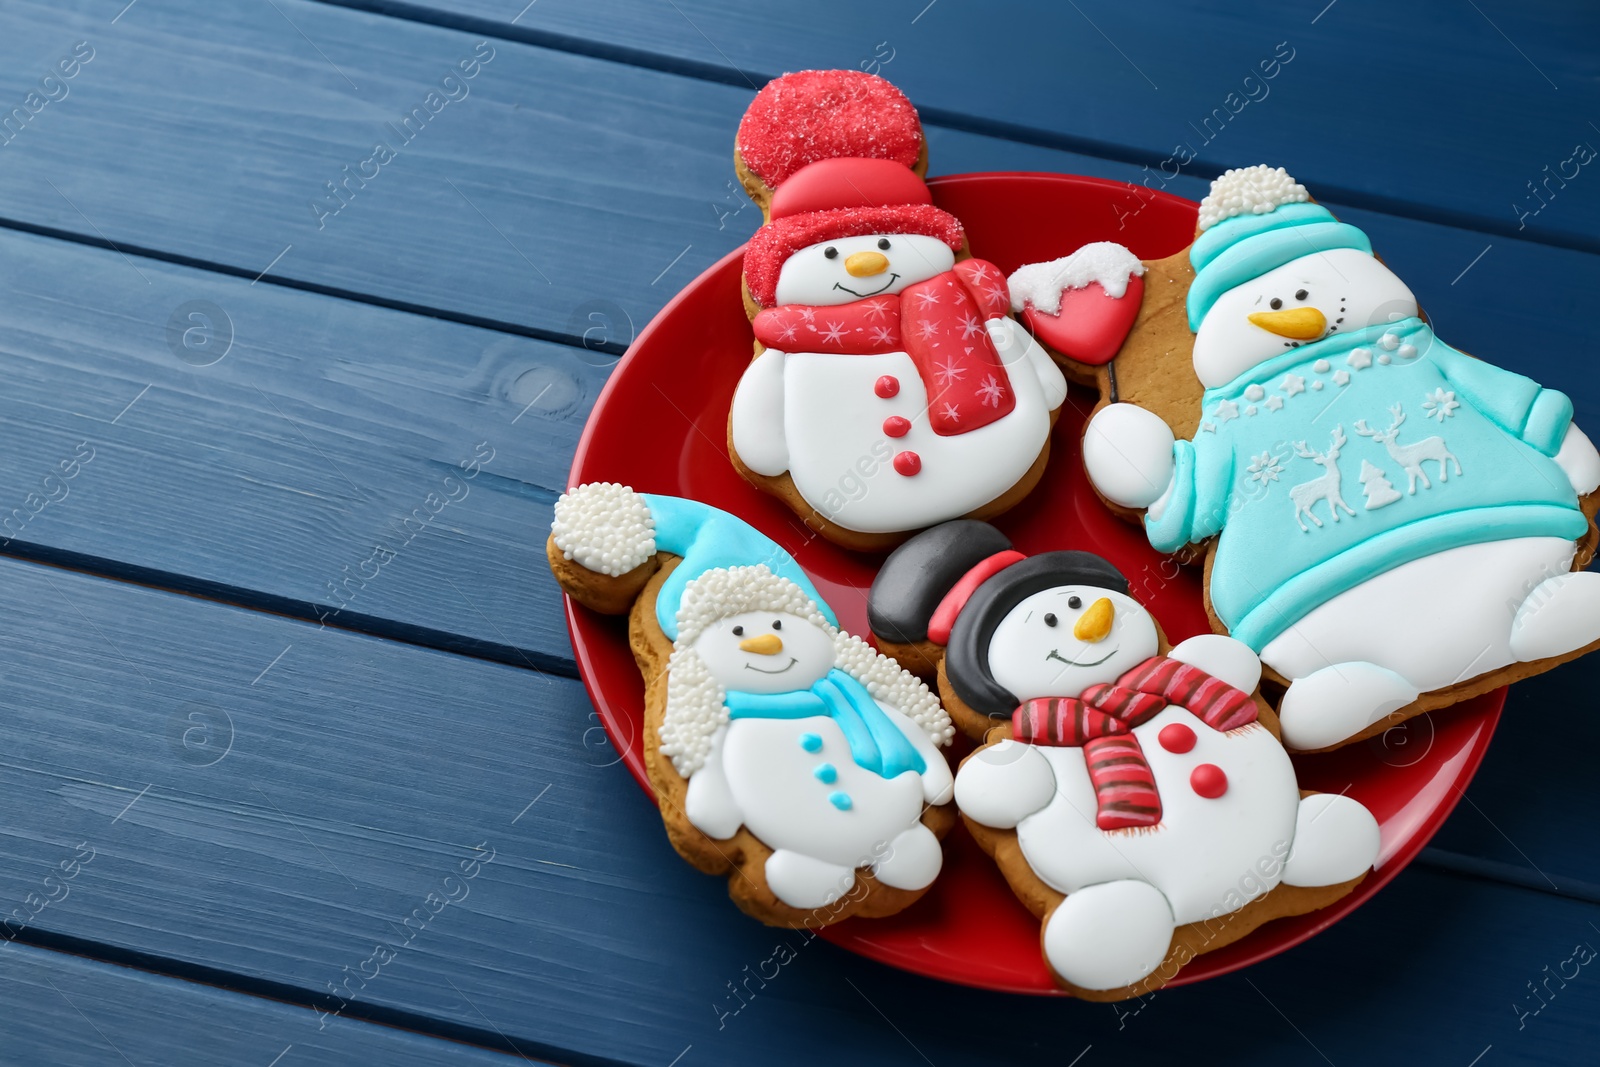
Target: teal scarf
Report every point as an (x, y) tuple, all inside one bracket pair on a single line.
[(876, 744)]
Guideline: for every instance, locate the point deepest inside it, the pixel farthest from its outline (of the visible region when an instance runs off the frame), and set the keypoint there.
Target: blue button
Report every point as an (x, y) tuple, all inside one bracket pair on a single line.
[(811, 742), (825, 773), (840, 800)]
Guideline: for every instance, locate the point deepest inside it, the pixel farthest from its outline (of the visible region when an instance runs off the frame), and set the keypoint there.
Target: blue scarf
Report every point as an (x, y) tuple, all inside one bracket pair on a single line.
[(876, 744)]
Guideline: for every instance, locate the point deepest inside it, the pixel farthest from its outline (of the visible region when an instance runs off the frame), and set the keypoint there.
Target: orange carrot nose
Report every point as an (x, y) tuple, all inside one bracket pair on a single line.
[(1094, 624), (866, 264), (765, 645)]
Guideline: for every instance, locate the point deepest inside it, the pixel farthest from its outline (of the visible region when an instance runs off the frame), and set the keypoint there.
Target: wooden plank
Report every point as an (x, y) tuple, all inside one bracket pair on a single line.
[(68, 1011), (560, 187), (1386, 106), (267, 803), (315, 469)]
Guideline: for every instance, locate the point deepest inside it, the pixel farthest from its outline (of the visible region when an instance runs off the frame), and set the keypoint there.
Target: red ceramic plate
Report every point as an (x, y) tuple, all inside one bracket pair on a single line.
[(661, 427)]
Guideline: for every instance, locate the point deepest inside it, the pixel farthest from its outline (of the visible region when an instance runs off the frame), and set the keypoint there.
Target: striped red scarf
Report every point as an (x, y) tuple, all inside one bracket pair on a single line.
[(1101, 722)]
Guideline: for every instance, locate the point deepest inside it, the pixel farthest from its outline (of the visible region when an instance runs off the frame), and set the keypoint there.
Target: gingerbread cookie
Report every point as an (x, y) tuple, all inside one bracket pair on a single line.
[(1136, 797), (1392, 525), (891, 389), (785, 753)]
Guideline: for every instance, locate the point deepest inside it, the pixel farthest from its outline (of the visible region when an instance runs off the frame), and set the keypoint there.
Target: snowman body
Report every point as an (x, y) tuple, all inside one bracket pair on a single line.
[(1203, 848), (798, 788), (835, 446), (874, 443)]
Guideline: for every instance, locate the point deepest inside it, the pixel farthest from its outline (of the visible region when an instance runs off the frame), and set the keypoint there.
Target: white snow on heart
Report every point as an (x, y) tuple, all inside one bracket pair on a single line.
[(1041, 284)]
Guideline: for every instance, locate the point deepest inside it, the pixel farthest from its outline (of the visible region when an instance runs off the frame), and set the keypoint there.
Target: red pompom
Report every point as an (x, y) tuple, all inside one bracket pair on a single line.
[(825, 114)]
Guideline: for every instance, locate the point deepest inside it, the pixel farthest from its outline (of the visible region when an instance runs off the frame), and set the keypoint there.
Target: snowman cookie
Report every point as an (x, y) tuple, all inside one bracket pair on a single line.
[(1392, 525), (891, 389), (785, 753), (1136, 797)]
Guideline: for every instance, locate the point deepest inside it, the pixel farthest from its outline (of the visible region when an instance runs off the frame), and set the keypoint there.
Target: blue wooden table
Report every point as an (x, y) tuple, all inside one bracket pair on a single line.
[(273, 796)]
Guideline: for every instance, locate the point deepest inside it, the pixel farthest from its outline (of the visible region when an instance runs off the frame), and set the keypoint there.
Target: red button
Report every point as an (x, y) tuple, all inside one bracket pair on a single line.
[(887, 386), (907, 463), (1209, 780), (895, 426), (1176, 737)]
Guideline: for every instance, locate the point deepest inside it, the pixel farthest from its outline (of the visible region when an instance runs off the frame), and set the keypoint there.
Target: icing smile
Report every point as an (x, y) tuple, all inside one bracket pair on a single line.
[(780, 670), (875, 292), (1055, 655)]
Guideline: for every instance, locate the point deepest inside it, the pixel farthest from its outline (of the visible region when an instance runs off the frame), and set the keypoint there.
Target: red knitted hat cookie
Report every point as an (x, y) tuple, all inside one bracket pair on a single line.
[(837, 146), (823, 114)]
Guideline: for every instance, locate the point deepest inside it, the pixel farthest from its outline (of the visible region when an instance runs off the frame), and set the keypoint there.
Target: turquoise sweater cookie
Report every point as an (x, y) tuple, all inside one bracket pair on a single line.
[(1342, 459)]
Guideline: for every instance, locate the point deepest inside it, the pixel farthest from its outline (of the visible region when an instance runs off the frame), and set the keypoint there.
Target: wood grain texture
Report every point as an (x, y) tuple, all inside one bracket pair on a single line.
[(68, 1011), (1370, 107), (362, 774)]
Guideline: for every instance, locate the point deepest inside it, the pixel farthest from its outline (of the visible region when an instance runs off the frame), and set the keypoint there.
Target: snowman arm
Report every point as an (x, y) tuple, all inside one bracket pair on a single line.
[(1579, 459), (1003, 784), (1224, 658), (1199, 501), (757, 417), (937, 781), (1518, 405), (709, 803), (1016, 345)]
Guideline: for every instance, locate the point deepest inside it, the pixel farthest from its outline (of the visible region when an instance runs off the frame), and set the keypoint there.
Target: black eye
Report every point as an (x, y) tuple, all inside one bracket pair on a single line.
[(1301, 294), (883, 242), (738, 631), (1074, 602), (1050, 620), (777, 624), (831, 252), (1275, 304)]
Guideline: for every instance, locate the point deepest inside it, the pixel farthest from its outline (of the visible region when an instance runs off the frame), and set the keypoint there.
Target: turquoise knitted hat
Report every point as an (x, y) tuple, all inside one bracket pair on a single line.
[(1256, 219)]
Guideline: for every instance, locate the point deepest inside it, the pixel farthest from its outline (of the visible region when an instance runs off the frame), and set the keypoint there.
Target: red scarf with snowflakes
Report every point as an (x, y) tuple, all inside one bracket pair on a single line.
[(1101, 722), (938, 322)]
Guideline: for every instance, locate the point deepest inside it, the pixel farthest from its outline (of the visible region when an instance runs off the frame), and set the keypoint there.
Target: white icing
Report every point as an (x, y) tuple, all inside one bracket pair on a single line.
[(1433, 621), (803, 652), (1561, 615), (1110, 935), (1344, 284), (1030, 657), (604, 527), (810, 276), (771, 777), (1579, 459), (913, 860), (1016, 345), (1127, 451), (841, 460), (757, 416), (1249, 191), (1004, 783), (1335, 839), (1105, 262), (1202, 849), (1221, 657), (709, 803), (801, 881), (1339, 701)]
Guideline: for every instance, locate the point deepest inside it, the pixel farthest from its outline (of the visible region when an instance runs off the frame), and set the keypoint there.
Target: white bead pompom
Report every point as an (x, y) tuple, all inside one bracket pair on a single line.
[(604, 527), (1249, 191)]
